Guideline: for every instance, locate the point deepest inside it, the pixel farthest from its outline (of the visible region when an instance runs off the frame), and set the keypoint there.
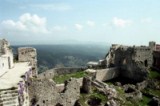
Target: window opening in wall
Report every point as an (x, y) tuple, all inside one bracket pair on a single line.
[(43, 101)]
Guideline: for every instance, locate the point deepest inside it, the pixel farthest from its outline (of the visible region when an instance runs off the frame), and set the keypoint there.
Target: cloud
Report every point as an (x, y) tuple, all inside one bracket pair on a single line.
[(121, 22), (26, 23), (59, 28), (91, 23), (79, 27), (49, 7), (146, 20)]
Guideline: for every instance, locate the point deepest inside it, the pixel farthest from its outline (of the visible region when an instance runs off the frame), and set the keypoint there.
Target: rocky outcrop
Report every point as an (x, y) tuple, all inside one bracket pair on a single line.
[(86, 85)]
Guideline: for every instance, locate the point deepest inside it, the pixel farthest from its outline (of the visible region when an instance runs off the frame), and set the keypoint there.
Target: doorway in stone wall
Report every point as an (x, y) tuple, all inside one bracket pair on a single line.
[(146, 63)]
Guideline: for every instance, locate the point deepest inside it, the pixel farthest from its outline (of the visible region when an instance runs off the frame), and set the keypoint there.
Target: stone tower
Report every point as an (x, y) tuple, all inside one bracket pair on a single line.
[(152, 45), (28, 54), (6, 55)]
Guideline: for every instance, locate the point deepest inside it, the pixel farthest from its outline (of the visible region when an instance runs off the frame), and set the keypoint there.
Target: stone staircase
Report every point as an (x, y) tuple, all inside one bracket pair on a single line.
[(9, 97)]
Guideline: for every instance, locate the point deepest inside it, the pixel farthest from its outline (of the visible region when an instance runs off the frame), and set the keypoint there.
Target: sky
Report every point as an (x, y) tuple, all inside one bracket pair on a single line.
[(128, 22)]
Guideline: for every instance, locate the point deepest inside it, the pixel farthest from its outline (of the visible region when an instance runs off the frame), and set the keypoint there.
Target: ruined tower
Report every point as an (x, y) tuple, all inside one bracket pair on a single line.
[(28, 54), (6, 55), (152, 45)]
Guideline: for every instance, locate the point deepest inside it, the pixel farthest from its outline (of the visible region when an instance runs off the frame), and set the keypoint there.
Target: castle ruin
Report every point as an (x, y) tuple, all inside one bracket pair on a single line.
[(13, 77), (22, 86), (131, 61)]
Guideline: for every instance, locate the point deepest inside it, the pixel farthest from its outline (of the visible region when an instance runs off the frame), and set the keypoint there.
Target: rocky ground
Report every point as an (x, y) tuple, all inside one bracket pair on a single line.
[(123, 92), (116, 92)]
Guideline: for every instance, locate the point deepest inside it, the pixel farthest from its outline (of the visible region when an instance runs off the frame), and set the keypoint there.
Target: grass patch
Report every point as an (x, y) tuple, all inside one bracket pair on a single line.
[(61, 78), (145, 101), (153, 74), (109, 83), (99, 96), (153, 92), (85, 97), (95, 94)]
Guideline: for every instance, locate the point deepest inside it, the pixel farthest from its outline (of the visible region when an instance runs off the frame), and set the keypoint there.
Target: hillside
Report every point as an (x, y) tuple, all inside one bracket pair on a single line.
[(50, 56)]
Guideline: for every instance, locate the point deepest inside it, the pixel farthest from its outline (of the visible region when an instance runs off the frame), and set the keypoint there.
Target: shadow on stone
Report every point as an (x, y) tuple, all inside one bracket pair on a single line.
[(94, 102)]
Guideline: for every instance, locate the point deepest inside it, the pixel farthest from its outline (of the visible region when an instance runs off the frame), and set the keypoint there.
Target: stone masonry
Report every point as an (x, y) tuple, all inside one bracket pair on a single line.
[(131, 61), (28, 54), (44, 93)]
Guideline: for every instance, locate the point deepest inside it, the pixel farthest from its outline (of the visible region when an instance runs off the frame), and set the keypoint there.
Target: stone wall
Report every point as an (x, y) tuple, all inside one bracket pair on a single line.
[(132, 61), (156, 58), (107, 74), (49, 74), (45, 93), (28, 54), (144, 55), (6, 56)]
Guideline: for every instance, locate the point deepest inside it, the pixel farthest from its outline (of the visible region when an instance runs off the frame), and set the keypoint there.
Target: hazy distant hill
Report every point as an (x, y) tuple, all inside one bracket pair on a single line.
[(50, 56)]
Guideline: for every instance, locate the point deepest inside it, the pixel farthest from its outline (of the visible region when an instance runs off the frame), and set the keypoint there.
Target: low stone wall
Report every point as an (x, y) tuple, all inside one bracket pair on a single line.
[(107, 74), (49, 74)]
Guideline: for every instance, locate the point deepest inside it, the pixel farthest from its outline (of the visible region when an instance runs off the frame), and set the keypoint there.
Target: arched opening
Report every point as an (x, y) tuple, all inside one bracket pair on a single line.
[(146, 63)]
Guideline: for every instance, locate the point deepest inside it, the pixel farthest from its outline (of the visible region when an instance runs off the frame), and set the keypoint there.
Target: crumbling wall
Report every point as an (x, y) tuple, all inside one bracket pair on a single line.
[(131, 61), (28, 54), (143, 54), (44, 93)]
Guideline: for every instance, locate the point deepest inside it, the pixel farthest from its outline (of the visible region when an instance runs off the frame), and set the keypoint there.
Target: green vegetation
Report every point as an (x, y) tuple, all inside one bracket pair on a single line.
[(95, 94), (153, 74), (109, 83), (85, 97), (61, 78), (154, 92), (145, 100), (100, 96)]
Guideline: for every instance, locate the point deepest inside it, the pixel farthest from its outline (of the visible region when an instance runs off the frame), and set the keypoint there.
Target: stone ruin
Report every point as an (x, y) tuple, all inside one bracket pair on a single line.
[(46, 93), (127, 61), (124, 61), (13, 78), (28, 54), (6, 55)]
